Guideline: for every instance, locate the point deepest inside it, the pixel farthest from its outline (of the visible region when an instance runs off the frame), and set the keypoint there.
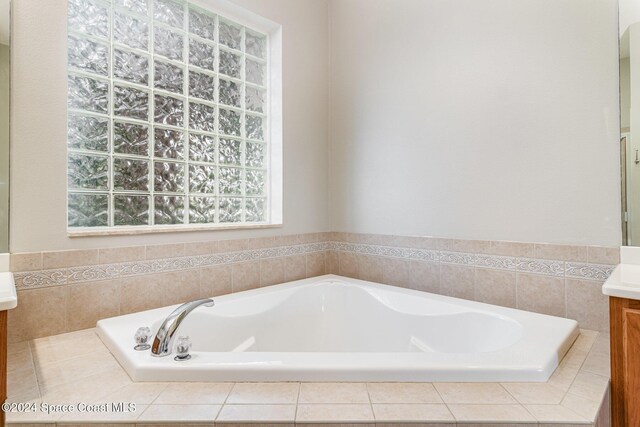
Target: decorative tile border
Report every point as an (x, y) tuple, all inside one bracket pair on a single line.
[(91, 273)]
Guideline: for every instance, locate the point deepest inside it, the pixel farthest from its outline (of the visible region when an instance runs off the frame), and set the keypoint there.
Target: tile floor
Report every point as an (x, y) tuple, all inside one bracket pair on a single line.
[(76, 367)]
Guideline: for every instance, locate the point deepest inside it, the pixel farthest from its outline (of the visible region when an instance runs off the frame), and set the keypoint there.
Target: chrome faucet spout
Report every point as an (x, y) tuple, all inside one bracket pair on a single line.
[(163, 342)]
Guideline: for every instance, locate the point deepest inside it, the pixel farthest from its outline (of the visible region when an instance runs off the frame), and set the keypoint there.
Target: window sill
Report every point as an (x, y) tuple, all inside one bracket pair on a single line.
[(115, 231)]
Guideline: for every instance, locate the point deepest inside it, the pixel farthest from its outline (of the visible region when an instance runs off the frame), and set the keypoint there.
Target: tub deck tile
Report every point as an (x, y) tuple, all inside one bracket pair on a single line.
[(55, 374)]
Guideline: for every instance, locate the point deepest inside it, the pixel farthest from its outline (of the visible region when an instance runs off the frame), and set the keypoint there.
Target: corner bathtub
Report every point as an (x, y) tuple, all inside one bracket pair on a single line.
[(332, 328)]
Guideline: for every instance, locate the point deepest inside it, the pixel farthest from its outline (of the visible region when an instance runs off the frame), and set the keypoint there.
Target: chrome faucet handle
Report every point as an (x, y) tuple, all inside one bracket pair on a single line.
[(183, 346), (141, 337), (163, 342)]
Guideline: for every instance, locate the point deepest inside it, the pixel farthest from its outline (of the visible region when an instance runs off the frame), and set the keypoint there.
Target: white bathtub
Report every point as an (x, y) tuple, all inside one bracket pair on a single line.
[(332, 328)]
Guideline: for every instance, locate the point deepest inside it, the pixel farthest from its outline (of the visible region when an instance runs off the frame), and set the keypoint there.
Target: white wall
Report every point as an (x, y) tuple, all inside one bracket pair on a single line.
[(629, 14), (38, 155), (493, 119)]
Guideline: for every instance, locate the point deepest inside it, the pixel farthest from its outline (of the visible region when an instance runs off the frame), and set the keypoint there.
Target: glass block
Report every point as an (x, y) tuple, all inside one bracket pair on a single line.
[(88, 55), (230, 35), (169, 177), (202, 179), (88, 133), (255, 72), (254, 127), (130, 102), (88, 18), (255, 154), (167, 43), (230, 64), (169, 110), (230, 209), (169, 143), (88, 94), (137, 6), (202, 24), (130, 174), (88, 210), (230, 122), (230, 181), (255, 182), (130, 138), (201, 117), (130, 31), (202, 86), (168, 77), (91, 172), (229, 151), (255, 44), (131, 67), (202, 55), (254, 99), (169, 12), (168, 209), (130, 210), (229, 93), (202, 148), (255, 210), (202, 210)]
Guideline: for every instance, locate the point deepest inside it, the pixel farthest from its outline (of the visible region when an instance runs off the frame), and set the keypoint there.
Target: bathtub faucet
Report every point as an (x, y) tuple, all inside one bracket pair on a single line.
[(163, 342)]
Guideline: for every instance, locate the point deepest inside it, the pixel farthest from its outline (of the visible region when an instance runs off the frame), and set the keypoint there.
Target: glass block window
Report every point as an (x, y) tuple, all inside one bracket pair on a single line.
[(167, 116)]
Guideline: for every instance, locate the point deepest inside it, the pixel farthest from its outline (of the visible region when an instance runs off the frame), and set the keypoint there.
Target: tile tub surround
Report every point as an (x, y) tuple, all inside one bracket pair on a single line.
[(76, 367), (71, 290)]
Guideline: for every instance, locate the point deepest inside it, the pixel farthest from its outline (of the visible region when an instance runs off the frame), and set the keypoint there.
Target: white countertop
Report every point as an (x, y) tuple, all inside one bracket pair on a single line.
[(8, 297), (624, 282)]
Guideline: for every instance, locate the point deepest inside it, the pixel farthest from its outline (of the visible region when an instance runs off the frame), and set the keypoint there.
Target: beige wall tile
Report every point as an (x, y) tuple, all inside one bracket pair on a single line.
[(89, 302), (295, 267), (312, 237), (114, 255), (61, 259), (395, 272), (261, 242), (457, 281), (264, 393), (233, 245), (245, 276), (554, 413), (271, 271), (424, 276), (514, 249), (172, 250), (469, 246), (27, 261), (40, 313), (587, 304), (561, 252), (541, 294), (141, 293), (333, 393), (201, 248), (332, 262), (603, 255), (535, 393), (589, 386), (496, 287), (348, 264), (586, 408), (287, 240), (178, 287), (370, 268), (315, 264), (215, 281)]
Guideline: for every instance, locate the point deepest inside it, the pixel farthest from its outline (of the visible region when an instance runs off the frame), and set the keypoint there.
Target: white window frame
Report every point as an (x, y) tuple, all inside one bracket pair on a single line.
[(273, 135)]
